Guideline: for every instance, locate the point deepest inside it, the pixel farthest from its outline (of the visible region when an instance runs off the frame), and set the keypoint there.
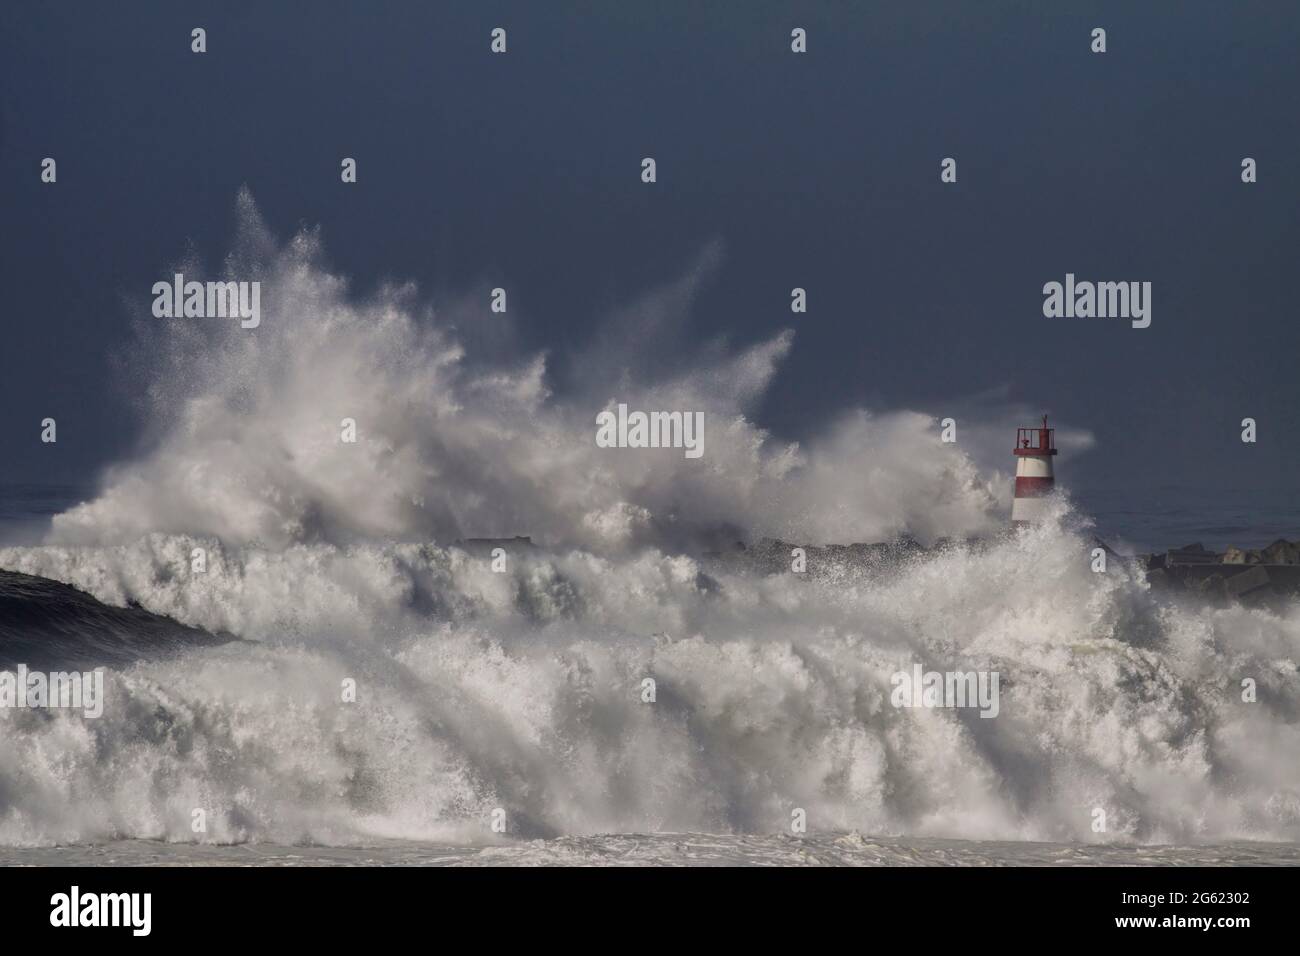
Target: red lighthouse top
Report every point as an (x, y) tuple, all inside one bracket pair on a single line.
[(1035, 442)]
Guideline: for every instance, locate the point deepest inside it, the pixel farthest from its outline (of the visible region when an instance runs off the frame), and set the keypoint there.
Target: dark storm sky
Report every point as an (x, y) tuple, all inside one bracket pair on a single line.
[(819, 171)]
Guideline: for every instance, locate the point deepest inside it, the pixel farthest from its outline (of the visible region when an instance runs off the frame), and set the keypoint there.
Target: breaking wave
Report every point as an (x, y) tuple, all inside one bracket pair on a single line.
[(243, 437), (523, 690)]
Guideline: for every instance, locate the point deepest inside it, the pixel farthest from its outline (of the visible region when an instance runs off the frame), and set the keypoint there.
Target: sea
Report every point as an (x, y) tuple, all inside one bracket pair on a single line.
[(521, 694), (304, 660)]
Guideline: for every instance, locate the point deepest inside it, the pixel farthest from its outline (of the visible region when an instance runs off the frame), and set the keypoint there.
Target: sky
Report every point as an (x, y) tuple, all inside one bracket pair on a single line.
[(817, 170)]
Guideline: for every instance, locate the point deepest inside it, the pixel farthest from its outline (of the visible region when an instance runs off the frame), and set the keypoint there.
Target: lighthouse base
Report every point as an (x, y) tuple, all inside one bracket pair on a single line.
[(1028, 510)]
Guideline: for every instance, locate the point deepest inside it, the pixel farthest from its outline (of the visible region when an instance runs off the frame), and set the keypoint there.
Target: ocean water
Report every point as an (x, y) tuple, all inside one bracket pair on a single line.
[(1132, 520), (302, 665), (1142, 520), (664, 849)]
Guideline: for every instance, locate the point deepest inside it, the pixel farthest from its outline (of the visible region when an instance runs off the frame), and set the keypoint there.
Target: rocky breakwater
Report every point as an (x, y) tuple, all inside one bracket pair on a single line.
[(1248, 575), (1251, 576)]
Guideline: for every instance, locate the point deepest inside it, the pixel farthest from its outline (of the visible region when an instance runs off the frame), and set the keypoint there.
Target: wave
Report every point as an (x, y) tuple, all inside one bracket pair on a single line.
[(337, 566), (45, 623), (522, 691), (243, 430)]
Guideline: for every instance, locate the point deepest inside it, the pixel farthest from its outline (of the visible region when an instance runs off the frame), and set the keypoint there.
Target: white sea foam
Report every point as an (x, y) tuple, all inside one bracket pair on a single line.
[(244, 431), (522, 690)]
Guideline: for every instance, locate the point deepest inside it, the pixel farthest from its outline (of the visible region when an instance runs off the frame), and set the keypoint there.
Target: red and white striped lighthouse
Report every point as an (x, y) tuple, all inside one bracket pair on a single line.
[(1034, 480)]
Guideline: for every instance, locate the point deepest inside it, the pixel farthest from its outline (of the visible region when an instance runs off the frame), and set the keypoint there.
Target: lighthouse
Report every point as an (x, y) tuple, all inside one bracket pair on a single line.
[(1034, 480)]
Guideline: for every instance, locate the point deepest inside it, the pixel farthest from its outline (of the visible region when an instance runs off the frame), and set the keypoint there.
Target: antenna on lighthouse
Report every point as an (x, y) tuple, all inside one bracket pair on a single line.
[(1034, 479)]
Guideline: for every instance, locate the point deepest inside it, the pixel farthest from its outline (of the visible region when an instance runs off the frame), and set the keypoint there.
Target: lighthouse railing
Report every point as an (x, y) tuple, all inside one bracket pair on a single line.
[(1034, 438)]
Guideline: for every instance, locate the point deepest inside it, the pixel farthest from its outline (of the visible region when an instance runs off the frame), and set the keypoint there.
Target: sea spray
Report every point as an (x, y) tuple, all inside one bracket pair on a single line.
[(391, 684), (242, 432), (476, 690)]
